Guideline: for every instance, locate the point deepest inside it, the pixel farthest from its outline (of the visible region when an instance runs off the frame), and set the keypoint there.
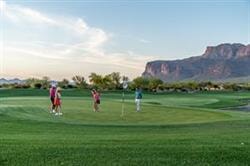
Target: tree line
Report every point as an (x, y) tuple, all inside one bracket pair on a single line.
[(114, 80)]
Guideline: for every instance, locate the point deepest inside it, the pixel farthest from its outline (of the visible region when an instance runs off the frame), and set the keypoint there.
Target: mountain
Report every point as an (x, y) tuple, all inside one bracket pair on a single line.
[(11, 81), (218, 63), (3, 81)]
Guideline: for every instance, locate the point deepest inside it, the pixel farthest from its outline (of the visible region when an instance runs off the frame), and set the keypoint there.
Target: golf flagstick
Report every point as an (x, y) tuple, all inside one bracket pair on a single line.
[(124, 85), (123, 96)]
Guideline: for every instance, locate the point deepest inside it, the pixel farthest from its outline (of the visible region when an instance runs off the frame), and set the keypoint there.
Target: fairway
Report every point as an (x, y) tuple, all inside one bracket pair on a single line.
[(172, 129)]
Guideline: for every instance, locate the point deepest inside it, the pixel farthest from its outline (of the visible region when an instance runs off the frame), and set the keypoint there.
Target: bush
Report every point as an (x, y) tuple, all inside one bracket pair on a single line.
[(38, 85)]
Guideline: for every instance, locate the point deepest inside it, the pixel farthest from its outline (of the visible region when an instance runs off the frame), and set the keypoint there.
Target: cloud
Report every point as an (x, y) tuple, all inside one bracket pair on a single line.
[(65, 39), (144, 41), (20, 14), (32, 15), (93, 37), (2, 5)]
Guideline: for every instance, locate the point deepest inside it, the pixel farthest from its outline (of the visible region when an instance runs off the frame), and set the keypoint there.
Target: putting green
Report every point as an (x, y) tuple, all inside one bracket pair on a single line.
[(167, 110)]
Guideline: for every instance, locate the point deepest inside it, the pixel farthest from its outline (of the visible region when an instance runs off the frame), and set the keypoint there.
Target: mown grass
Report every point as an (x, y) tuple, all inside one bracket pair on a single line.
[(172, 129)]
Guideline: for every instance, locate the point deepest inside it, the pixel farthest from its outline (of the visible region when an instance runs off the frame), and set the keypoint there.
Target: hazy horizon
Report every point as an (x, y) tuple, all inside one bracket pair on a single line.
[(63, 39)]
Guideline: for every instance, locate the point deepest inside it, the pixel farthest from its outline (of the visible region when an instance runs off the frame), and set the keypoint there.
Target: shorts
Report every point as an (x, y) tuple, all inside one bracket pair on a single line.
[(98, 102), (52, 99)]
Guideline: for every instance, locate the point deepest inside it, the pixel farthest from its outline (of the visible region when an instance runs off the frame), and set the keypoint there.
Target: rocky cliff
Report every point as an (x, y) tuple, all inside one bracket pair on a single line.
[(220, 62)]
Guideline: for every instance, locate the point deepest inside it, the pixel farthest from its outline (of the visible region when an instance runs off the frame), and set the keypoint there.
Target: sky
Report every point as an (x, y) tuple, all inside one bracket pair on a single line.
[(64, 38)]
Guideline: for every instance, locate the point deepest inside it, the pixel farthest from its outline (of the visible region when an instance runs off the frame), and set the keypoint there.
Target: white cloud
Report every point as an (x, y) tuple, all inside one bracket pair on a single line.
[(20, 14), (65, 39), (2, 5), (80, 26), (144, 41), (31, 15)]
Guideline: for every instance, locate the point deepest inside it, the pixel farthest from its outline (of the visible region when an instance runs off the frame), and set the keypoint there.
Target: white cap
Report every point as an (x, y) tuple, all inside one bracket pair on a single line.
[(53, 84)]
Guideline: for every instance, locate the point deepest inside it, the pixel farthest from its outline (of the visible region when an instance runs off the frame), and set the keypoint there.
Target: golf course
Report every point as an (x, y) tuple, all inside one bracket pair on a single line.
[(172, 129)]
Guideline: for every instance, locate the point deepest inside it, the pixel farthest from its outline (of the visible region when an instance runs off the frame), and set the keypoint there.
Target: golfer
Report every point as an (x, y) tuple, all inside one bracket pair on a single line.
[(52, 94), (58, 102), (138, 97), (96, 100)]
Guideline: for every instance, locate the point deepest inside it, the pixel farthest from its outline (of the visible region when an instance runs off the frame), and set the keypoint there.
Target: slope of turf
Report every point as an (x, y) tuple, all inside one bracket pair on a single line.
[(172, 129)]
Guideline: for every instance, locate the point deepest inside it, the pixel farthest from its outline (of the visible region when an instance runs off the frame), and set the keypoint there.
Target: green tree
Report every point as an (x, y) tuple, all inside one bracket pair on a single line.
[(96, 80), (64, 83), (45, 81), (80, 81), (116, 79), (141, 82), (38, 85), (192, 85), (154, 84), (125, 78), (32, 81), (107, 82)]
